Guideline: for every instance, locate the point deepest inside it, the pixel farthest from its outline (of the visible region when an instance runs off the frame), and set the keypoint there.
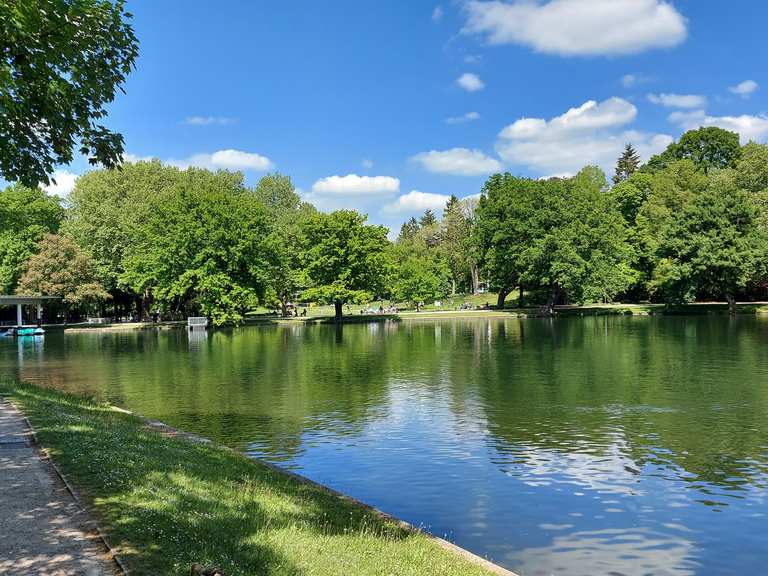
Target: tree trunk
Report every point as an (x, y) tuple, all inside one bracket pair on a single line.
[(338, 306), (549, 307), (453, 286), (731, 303), (520, 302), (284, 306), (475, 279), (146, 301), (502, 296)]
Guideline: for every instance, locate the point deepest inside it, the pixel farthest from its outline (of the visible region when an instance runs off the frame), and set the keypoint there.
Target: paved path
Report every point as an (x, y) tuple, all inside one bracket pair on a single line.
[(42, 528)]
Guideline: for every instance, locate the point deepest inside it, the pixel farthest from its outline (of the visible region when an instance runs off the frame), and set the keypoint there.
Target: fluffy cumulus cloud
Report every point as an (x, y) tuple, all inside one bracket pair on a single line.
[(463, 119), (747, 126), (470, 82), (578, 27), (416, 202), (209, 120), (226, 160), (593, 133), (678, 100), (457, 161), (354, 185), (62, 182), (744, 89)]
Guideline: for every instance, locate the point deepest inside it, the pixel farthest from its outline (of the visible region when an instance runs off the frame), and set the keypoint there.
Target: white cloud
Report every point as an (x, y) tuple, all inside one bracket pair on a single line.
[(632, 80), (678, 100), (472, 58), (62, 182), (470, 82), (744, 89), (367, 163), (127, 157), (593, 133), (437, 13), (415, 202), (578, 27), (468, 117), (227, 160), (747, 126), (457, 161), (209, 120), (353, 185)]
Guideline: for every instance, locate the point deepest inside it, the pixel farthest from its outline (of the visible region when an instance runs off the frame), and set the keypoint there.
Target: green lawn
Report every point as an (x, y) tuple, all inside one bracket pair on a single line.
[(167, 503)]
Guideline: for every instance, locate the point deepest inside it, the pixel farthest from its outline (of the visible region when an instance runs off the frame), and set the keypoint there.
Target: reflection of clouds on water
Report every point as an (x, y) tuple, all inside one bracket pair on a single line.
[(610, 471), (616, 552)]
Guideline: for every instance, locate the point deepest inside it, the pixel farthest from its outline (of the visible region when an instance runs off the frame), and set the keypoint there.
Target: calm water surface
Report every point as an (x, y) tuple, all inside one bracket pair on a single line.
[(597, 446)]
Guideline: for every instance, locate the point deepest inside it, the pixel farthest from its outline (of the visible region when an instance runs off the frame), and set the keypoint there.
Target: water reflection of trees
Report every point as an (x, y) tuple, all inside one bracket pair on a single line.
[(687, 392)]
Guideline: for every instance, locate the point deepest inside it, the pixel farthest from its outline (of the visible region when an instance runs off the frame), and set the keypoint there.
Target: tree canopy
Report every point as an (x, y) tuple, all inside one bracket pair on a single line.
[(61, 63)]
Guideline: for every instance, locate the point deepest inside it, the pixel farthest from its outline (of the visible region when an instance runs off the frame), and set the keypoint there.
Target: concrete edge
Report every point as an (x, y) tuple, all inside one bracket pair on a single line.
[(167, 430), (89, 520)]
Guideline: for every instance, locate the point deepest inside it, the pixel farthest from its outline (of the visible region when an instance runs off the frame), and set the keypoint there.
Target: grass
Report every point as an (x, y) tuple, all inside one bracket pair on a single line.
[(166, 502)]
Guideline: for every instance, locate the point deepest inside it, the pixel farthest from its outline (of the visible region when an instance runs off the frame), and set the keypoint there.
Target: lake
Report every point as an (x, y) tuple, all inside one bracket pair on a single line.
[(575, 446)]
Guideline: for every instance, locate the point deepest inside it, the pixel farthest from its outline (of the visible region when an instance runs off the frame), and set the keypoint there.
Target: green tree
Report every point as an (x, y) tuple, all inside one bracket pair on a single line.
[(627, 164), (455, 242), (708, 148), (345, 258), (203, 244), (62, 62), (61, 268), (26, 215), (712, 244), (752, 168), (579, 252), (419, 273), (288, 216), (409, 229), (427, 219), (108, 210)]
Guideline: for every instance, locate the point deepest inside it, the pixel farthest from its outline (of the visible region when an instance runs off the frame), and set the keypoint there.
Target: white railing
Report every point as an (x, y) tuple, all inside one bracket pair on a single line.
[(197, 322), (98, 320)]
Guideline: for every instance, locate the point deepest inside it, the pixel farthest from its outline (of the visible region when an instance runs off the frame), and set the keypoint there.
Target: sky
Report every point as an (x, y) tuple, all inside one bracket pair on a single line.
[(391, 107)]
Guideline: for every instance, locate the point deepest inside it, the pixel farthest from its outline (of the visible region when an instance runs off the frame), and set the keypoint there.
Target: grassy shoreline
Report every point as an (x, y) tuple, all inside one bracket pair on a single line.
[(166, 502)]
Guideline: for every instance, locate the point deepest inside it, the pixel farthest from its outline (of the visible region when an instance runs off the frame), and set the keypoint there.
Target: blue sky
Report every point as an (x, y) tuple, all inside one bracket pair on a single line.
[(387, 107)]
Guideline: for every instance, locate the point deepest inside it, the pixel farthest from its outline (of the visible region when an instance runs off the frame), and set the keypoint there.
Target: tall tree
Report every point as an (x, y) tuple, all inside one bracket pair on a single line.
[(409, 229), (427, 219), (345, 258), (26, 215), (420, 274), (455, 241), (202, 245), (61, 62), (708, 148), (61, 268), (627, 164), (713, 244)]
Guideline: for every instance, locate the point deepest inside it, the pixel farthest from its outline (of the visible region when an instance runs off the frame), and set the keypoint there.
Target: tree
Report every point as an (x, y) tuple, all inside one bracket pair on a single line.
[(203, 245), (61, 268), (500, 230), (579, 251), (26, 215), (455, 243), (108, 210), (427, 219), (409, 229), (708, 148), (62, 62), (627, 164), (288, 216), (345, 258), (713, 244), (752, 168), (420, 274)]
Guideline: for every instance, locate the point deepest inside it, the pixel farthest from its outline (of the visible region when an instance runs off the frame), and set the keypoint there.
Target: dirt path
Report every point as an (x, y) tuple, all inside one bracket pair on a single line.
[(43, 530)]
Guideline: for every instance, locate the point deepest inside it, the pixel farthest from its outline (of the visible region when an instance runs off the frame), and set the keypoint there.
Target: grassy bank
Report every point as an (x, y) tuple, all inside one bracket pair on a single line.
[(166, 502)]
